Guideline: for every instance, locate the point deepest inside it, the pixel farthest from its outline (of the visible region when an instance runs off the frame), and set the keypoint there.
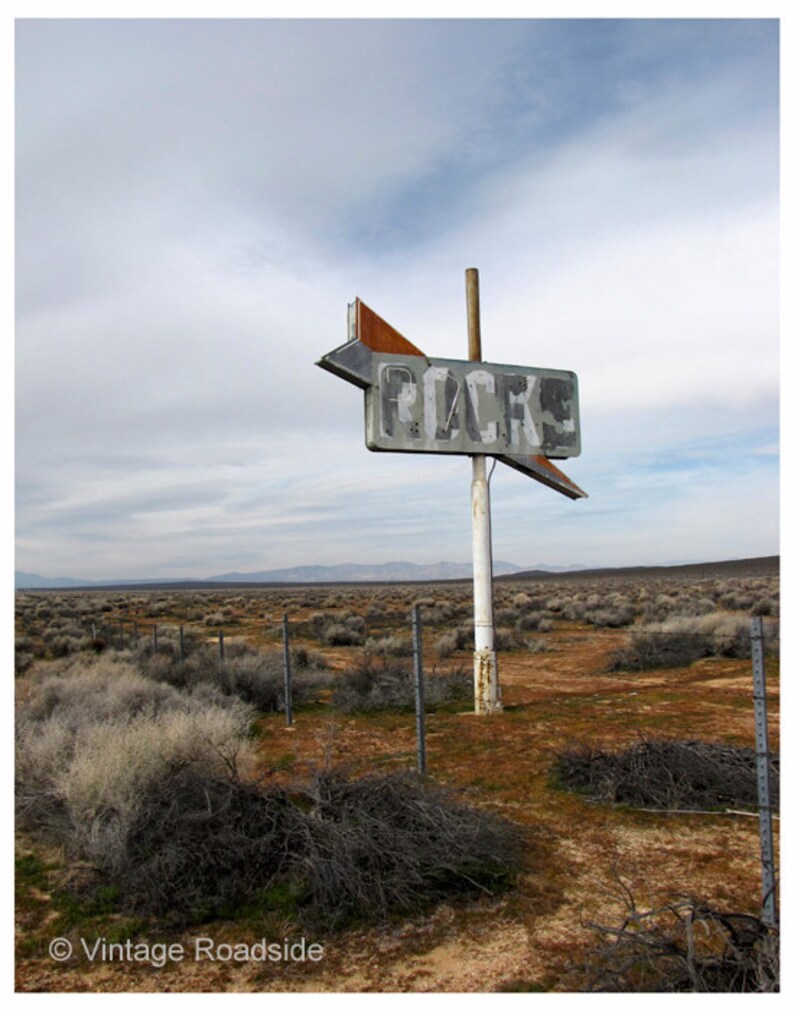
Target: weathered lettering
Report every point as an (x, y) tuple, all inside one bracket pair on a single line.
[(444, 406)]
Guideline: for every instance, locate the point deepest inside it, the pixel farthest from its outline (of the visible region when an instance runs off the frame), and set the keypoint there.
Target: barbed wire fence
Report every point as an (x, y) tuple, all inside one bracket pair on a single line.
[(747, 642)]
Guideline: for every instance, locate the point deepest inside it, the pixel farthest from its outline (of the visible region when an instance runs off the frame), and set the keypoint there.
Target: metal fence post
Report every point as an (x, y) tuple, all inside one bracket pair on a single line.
[(769, 900), (154, 638), (419, 685), (287, 674), (181, 643)]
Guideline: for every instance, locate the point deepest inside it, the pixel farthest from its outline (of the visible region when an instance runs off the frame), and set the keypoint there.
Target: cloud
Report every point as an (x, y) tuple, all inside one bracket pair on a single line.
[(198, 200)]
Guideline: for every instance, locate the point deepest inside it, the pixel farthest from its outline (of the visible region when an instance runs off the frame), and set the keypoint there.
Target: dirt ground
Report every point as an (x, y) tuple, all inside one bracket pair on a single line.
[(581, 856)]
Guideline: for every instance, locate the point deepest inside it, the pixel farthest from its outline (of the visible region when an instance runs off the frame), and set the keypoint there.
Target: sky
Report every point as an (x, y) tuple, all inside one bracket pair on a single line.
[(197, 200)]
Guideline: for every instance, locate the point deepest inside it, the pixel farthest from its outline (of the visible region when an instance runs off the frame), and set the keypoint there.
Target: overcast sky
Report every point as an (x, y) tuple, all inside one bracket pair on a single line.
[(198, 200)]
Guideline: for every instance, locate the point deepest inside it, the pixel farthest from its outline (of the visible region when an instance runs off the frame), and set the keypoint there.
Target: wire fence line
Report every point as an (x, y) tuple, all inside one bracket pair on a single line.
[(121, 632), (153, 628), (746, 639), (697, 635), (756, 645)]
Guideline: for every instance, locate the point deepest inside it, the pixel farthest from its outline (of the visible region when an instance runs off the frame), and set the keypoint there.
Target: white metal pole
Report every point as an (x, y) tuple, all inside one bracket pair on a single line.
[(487, 696)]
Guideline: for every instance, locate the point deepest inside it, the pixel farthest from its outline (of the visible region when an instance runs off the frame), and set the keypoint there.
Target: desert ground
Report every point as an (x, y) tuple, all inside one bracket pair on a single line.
[(585, 861)]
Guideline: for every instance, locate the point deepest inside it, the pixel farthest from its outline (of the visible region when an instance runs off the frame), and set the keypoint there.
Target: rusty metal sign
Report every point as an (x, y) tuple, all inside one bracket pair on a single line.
[(422, 405), (523, 416)]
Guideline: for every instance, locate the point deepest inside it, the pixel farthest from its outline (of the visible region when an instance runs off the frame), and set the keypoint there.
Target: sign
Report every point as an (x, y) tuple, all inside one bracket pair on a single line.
[(422, 405), (523, 416)]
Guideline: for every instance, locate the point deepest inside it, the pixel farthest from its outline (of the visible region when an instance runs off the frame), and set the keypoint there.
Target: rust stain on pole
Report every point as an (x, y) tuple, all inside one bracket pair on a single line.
[(486, 691)]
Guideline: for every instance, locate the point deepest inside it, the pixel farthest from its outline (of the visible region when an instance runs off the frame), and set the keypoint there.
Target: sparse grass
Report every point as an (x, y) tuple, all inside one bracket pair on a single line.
[(42, 891)]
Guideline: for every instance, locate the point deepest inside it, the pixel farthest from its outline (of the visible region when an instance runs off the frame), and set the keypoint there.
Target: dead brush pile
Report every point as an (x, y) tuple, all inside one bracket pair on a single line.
[(682, 946), (328, 850), (667, 775)]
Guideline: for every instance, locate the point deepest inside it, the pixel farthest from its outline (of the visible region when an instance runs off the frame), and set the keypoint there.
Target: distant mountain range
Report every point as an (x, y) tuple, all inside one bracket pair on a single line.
[(403, 572), (387, 572), (345, 573)]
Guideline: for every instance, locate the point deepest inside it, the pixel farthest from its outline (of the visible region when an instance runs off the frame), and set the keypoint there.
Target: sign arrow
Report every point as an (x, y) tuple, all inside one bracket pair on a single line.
[(366, 333), (543, 470), (351, 361), (415, 404)]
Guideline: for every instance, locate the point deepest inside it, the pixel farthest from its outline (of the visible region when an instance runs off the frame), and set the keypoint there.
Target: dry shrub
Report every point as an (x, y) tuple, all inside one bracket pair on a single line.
[(390, 645), (116, 766), (534, 622), (445, 645), (24, 654), (216, 620), (88, 744), (439, 613), (667, 775), (255, 676), (304, 658), (42, 751), (381, 682), (460, 637), (504, 640), (340, 634), (613, 617), (682, 946), (681, 639), (258, 678), (155, 807), (345, 629), (765, 606), (96, 689), (657, 646)]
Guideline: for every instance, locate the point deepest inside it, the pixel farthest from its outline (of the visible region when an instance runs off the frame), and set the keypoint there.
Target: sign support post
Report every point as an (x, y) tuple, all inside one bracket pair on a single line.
[(487, 697)]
